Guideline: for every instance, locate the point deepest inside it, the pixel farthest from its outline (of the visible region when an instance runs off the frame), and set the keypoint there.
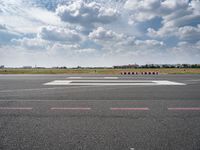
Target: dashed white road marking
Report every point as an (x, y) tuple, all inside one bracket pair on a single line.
[(129, 109), (16, 108), (70, 108), (185, 109)]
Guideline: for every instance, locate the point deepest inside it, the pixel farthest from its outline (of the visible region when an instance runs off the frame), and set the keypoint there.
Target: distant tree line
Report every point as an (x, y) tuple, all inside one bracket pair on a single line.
[(118, 67), (158, 66)]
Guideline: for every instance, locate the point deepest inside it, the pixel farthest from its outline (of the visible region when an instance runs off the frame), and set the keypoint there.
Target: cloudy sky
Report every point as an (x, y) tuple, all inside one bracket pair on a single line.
[(99, 32)]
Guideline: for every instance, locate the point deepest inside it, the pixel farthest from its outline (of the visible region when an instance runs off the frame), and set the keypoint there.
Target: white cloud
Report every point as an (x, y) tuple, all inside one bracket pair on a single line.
[(186, 52), (32, 44), (86, 14), (149, 43), (141, 4), (189, 32), (53, 33), (118, 43), (174, 4), (180, 18), (142, 10), (174, 14), (195, 6), (24, 18), (105, 35)]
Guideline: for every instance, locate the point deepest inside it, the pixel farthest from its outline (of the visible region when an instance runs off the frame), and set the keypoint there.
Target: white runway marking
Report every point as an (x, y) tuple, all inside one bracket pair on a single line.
[(113, 82)]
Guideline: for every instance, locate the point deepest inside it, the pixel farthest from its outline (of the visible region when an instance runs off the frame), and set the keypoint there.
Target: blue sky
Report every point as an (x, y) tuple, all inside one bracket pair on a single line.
[(99, 32)]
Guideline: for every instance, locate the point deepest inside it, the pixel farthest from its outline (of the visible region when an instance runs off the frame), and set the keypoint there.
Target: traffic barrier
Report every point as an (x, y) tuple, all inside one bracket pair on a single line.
[(139, 73)]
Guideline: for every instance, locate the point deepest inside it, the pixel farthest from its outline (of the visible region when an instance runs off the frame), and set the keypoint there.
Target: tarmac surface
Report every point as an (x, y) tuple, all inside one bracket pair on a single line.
[(100, 112)]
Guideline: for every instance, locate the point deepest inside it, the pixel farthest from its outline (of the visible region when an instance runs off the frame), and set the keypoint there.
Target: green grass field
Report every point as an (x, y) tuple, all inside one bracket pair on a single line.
[(98, 71)]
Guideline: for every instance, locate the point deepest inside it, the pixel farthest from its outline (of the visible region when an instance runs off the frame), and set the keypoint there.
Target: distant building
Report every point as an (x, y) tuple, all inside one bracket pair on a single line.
[(2, 66)]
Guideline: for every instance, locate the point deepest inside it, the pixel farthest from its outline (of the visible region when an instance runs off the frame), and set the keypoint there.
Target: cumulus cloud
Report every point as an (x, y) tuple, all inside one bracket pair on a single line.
[(102, 34), (119, 43), (185, 52), (149, 43), (173, 13), (53, 33), (189, 32), (105, 35), (141, 10), (86, 14), (180, 18), (174, 4), (32, 44)]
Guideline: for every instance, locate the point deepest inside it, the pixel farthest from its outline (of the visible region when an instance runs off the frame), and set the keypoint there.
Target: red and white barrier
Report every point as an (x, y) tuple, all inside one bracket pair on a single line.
[(139, 73)]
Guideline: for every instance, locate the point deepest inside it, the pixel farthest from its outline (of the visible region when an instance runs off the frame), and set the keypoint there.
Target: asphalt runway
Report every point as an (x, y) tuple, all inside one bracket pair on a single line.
[(100, 112)]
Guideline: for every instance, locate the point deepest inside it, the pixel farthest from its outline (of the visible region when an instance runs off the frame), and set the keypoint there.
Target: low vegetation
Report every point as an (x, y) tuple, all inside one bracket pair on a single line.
[(100, 71)]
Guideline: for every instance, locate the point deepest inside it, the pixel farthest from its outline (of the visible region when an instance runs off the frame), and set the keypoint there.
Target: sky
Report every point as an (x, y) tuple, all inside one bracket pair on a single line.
[(99, 32)]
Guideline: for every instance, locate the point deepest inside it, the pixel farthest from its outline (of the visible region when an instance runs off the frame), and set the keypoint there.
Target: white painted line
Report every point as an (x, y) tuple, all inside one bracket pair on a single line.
[(74, 77), (111, 77), (110, 81), (110, 84), (185, 109), (113, 82), (59, 82), (70, 108), (16, 108), (168, 83), (92, 78), (130, 109)]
